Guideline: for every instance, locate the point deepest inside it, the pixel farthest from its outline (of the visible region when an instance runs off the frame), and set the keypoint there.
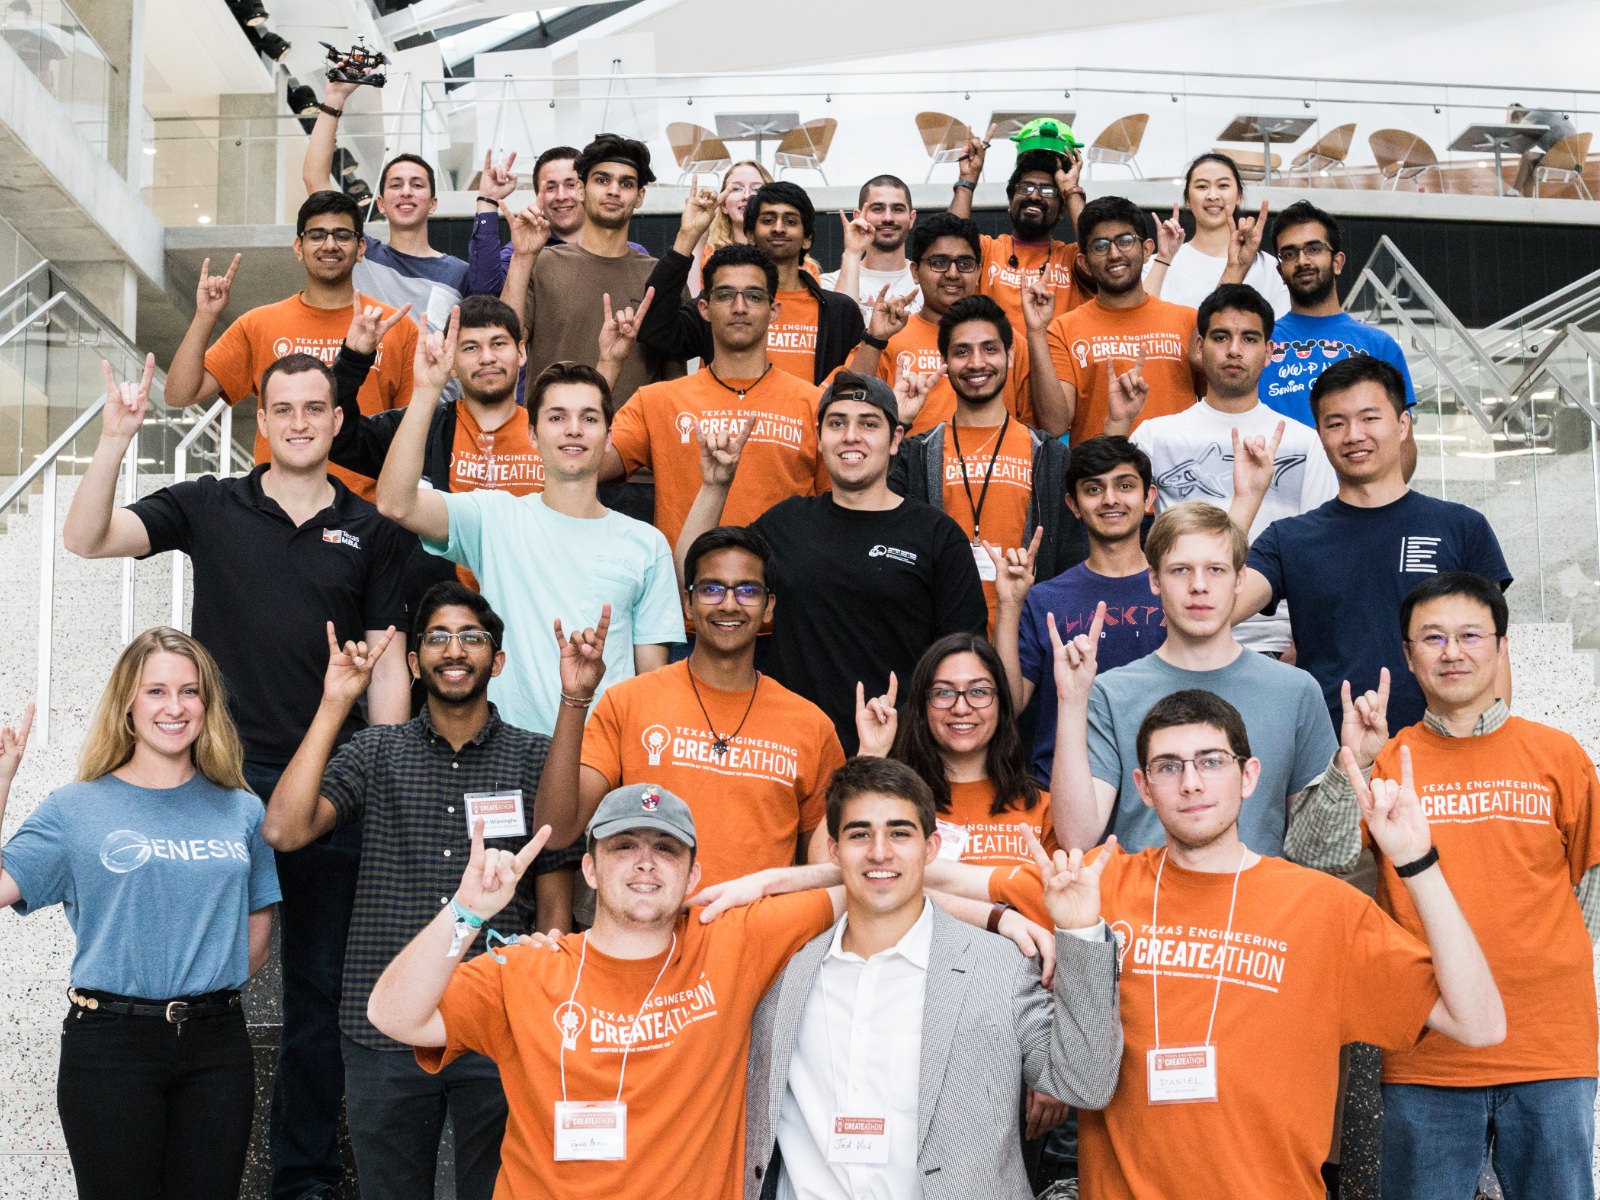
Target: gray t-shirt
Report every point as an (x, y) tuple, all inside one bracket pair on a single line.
[(1284, 716)]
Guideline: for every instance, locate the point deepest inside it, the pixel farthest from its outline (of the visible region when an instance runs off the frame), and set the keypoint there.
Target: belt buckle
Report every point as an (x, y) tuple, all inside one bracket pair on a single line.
[(180, 1016)]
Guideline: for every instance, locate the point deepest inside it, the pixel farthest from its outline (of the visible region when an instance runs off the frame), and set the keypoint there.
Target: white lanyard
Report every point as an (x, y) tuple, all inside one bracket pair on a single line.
[(633, 1026), (1227, 938)]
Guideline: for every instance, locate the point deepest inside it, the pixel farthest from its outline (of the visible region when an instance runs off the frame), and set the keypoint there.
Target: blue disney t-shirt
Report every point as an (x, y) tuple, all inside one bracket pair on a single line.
[(1303, 347)]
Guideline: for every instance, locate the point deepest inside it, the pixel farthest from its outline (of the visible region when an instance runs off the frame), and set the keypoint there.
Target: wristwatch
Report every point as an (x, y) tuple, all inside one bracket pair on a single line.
[(970, 184)]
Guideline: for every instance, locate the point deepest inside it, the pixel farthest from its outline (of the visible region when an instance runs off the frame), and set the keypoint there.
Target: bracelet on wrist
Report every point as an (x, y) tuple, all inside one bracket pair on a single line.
[(877, 343), (1418, 865), (970, 184), (335, 113), (489, 200), (1165, 262), (1000, 909), (572, 701)]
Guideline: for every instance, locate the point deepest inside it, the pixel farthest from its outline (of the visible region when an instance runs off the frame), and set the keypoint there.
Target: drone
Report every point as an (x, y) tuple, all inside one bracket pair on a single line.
[(357, 65)]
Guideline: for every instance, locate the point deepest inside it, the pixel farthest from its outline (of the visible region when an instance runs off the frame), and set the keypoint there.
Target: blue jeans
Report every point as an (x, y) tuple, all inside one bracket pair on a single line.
[(319, 889), (397, 1115), (1539, 1137)]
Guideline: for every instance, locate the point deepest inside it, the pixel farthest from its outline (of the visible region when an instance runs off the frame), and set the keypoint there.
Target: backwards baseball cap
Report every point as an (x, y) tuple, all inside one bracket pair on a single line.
[(643, 806), (868, 389)]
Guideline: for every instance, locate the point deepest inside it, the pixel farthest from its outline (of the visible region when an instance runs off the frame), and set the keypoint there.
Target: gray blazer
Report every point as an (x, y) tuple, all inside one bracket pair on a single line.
[(987, 1028)]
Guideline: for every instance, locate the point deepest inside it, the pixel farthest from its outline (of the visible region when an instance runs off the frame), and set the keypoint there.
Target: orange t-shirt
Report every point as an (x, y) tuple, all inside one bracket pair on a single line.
[(1003, 282), (1082, 341), (1310, 965), (685, 1080), (1513, 815), (916, 348), (995, 839), (506, 460), (792, 334), (656, 429), (751, 804), (263, 335), (1004, 506)]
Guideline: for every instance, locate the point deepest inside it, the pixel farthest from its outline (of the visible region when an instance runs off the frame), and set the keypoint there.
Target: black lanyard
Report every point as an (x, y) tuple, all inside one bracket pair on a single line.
[(966, 482)]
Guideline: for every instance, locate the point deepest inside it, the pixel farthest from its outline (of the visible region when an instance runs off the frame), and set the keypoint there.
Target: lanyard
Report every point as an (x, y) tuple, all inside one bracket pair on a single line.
[(988, 474), (1227, 938), (633, 1026)]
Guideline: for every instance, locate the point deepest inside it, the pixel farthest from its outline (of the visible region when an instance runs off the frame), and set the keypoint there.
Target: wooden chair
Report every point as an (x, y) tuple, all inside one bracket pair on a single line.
[(697, 149), (1328, 155), (943, 137), (1118, 144), (805, 147), (1403, 155), (1251, 163), (1565, 161)]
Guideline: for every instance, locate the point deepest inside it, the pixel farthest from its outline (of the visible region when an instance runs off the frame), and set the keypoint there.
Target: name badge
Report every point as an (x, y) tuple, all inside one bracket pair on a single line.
[(501, 812), (985, 563), (859, 1140), (952, 841), (591, 1129), (1182, 1074)]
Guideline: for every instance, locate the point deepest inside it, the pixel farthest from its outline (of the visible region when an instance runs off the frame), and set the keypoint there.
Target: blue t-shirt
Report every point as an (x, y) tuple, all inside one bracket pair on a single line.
[(1345, 571), (1135, 625), (1303, 347), (432, 286), (1282, 716), (158, 885)]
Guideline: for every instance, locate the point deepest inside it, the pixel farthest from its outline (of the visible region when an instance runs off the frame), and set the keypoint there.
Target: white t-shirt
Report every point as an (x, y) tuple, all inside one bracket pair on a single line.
[(1193, 276), (900, 282), (1191, 454)]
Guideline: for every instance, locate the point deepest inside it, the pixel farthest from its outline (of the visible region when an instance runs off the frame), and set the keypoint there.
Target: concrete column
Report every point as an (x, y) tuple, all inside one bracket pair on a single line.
[(247, 159)]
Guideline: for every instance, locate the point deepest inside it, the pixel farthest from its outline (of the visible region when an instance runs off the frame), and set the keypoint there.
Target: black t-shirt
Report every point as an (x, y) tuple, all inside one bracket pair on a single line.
[(861, 594), (264, 591)]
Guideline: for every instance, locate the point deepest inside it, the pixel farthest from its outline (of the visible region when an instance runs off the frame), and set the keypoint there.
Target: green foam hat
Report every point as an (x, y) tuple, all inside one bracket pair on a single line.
[(1046, 133)]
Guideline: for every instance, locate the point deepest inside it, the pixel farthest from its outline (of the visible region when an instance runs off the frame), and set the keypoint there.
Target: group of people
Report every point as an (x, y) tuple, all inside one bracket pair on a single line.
[(896, 682)]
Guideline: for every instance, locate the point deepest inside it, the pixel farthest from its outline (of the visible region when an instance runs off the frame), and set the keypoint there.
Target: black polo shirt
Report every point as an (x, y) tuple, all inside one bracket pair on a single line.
[(405, 784), (265, 589)]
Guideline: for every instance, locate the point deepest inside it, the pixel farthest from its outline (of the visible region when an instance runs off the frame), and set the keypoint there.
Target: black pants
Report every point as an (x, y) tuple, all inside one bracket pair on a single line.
[(153, 1110)]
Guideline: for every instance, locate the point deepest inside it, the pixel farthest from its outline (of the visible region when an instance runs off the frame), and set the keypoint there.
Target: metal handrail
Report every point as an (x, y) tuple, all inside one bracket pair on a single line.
[(220, 416), (47, 457)]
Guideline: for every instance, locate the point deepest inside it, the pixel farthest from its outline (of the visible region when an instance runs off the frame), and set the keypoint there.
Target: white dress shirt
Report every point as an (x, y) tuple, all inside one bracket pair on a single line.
[(858, 1053)]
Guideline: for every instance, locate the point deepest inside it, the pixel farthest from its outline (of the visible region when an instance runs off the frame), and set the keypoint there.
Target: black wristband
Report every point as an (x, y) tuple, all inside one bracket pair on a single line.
[(1419, 865), (970, 184), (335, 113), (877, 343), (489, 200)]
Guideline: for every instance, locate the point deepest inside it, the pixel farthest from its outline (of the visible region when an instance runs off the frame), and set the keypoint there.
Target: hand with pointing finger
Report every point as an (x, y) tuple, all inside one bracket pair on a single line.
[(436, 356), (211, 295), (1126, 392), (1013, 570), (620, 328), (350, 667), (498, 180), (971, 164), (13, 741), (877, 720), (1076, 660), (890, 313), (1038, 304), (700, 207), (719, 453), (857, 233), (911, 391), (1391, 810), (1254, 462), (530, 229), (368, 325), (1364, 729), (490, 880), (583, 663), (1244, 242), (127, 404), (1169, 237)]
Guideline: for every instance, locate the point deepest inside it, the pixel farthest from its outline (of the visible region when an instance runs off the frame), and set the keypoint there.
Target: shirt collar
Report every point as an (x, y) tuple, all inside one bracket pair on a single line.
[(1496, 715), (914, 945), (490, 726)]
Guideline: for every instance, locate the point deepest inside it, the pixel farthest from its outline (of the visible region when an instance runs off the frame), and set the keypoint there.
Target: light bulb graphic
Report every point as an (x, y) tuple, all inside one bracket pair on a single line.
[(655, 741), (685, 424)]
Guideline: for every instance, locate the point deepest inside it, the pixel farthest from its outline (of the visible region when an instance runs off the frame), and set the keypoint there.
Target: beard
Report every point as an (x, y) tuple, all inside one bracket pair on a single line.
[(1309, 294), (996, 386)]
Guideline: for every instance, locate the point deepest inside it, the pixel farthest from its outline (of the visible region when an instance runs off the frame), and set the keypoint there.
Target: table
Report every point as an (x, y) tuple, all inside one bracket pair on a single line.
[(1007, 123), (1498, 137), (744, 127), (1264, 128)]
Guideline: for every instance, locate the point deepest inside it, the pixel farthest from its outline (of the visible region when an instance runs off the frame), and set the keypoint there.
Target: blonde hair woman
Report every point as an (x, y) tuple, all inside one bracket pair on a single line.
[(157, 855), (739, 183)]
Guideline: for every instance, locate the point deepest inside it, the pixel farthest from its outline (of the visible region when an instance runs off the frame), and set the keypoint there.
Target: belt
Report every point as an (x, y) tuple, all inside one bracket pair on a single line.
[(212, 1004)]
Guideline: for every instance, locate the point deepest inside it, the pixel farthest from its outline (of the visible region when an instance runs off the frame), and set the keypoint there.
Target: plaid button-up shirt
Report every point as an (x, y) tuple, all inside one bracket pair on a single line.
[(405, 783)]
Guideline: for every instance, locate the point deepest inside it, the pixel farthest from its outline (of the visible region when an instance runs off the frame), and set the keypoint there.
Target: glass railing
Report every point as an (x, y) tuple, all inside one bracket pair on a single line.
[(875, 127), (62, 55)]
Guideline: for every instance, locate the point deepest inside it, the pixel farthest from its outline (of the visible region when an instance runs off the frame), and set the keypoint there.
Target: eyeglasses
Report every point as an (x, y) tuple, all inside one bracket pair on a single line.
[(1168, 769), (940, 263), (979, 695), (1437, 642), (1045, 191), (470, 639), (317, 236), (743, 189), (749, 595), (1102, 245), (1291, 254), (753, 296)]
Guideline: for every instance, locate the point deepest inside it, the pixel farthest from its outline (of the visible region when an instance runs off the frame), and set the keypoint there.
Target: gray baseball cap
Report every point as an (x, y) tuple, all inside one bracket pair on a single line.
[(643, 806), (867, 389)]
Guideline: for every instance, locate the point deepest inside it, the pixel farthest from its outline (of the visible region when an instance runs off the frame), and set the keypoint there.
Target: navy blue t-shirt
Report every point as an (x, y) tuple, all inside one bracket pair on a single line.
[(1135, 625), (1345, 571), (1303, 347)]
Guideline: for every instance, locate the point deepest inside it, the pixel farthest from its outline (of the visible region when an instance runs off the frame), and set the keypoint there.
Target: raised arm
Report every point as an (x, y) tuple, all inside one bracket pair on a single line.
[(970, 169), (13, 742), (297, 811), (400, 498), (188, 381), (1244, 244), (529, 234), (562, 791), (1324, 821), (1469, 1008), (405, 1003), (1169, 240), (1126, 393), (358, 444), (857, 238), (486, 273), (1080, 804), (619, 332), (1013, 578), (719, 460), (889, 316), (1054, 401), (95, 526)]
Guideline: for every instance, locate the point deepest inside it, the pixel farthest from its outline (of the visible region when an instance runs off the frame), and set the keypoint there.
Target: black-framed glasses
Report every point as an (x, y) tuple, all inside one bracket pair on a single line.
[(1291, 254), (1469, 640), (1168, 769), (1123, 241), (753, 296), (316, 237), (749, 595), (1045, 191), (940, 263), (979, 695), (470, 639)]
